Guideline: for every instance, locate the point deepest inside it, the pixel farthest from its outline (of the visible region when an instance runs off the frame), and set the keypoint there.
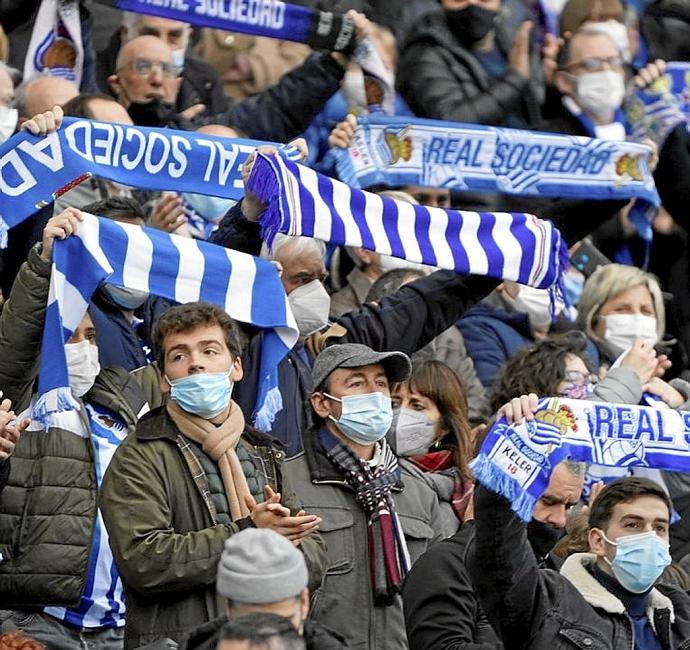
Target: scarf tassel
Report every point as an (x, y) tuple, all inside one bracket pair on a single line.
[(488, 474), (269, 406), (4, 229), (264, 183), (57, 400)]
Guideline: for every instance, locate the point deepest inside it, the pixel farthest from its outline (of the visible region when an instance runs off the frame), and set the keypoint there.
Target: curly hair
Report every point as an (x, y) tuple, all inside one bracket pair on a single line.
[(538, 368), (439, 383)]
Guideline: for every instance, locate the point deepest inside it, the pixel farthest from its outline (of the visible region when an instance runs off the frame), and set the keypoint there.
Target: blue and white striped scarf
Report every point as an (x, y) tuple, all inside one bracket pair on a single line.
[(402, 151), (174, 267), (500, 245), (35, 171), (517, 460), (273, 18), (678, 78)]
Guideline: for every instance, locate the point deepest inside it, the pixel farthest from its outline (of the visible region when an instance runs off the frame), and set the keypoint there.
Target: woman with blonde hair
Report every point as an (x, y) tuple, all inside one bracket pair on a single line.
[(620, 304), (431, 435)]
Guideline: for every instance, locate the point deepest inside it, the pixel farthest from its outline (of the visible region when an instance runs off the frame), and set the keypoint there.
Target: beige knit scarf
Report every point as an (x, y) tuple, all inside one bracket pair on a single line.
[(219, 443)]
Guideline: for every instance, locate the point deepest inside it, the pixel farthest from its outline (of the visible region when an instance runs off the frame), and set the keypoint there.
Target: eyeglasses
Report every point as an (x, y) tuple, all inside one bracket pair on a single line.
[(596, 63), (145, 66), (580, 378)]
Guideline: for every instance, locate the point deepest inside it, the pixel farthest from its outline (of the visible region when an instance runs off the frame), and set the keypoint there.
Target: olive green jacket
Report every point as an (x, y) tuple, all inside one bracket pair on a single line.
[(164, 532)]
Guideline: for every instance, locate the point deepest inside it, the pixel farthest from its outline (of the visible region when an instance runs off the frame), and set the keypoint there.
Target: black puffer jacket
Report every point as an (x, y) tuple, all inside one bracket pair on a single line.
[(664, 25), (540, 609), (441, 79)]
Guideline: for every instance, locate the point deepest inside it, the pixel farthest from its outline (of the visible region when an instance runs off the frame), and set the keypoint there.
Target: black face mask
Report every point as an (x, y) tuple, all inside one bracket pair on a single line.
[(470, 24), (542, 537), (154, 112)]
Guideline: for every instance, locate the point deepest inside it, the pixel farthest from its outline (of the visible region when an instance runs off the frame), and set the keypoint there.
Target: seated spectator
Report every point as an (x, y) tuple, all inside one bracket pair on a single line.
[(459, 64), (374, 523), (190, 477), (260, 632), (261, 571), (199, 85), (443, 608), (248, 65), (605, 598), (66, 570), (510, 318), (431, 436)]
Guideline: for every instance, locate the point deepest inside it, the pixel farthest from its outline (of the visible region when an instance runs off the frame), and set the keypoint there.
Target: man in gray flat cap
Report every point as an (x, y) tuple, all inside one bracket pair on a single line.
[(373, 525)]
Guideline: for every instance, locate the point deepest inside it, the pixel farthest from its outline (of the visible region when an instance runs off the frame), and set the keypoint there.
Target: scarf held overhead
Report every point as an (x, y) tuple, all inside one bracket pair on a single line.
[(403, 151), (506, 246), (173, 267), (37, 170), (273, 18), (517, 460)]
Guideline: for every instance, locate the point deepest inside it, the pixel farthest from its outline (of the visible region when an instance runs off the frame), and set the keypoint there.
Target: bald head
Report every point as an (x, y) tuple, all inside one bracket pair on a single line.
[(145, 72), (40, 94), (218, 130)]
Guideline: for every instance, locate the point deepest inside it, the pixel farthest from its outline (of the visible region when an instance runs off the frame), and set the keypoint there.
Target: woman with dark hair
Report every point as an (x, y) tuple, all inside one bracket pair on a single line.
[(432, 436)]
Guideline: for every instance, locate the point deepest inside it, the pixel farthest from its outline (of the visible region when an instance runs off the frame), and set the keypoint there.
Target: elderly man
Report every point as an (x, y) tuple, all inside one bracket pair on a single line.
[(373, 525), (147, 75), (8, 115), (200, 82), (40, 94)]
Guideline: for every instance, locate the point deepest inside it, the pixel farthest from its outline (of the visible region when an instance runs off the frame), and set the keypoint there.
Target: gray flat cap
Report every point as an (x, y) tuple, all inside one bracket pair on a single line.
[(355, 355)]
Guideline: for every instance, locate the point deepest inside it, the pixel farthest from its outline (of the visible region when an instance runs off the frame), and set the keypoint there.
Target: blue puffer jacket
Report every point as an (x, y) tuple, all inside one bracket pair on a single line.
[(491, 336)]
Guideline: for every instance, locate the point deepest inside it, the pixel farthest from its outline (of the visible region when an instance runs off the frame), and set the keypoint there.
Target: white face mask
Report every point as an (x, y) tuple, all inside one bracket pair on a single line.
[(8, 122), (411, 432), (310, 305), (617, 32), (623, 329), (82, 365), (536, 303), (600, 92), (352, 86)]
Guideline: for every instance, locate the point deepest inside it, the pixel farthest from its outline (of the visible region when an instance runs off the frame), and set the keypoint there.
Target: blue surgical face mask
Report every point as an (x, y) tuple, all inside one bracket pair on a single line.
[(205, 394), (125, 297), (639, 561), (365, 419), (209, 208)]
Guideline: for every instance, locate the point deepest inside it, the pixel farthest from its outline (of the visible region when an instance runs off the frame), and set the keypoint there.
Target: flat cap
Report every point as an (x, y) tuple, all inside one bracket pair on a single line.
[(355, 355)]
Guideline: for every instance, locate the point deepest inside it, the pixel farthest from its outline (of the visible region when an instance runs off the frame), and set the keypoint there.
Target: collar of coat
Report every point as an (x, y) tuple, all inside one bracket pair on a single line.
[(321, 469), (575, 570)]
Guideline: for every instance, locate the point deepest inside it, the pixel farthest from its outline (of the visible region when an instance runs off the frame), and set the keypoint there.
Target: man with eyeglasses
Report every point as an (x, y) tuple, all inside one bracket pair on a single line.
[(280, 113)]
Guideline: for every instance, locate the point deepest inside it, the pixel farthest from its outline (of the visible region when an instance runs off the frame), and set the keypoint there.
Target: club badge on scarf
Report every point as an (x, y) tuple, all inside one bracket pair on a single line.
[(178, 268), (37, 170), (516, 246), (322, 30), (55, 46), (517, 460)]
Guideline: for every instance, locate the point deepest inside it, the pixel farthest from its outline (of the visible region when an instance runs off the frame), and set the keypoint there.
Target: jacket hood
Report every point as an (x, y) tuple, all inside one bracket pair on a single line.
[(432, 28), (574, 569)]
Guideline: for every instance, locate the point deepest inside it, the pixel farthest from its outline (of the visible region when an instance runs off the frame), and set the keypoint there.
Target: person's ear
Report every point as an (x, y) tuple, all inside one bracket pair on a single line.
[(163, 382), (367, 257), (597, 544), (564, 83), (319, 402), (115, 85), (236, 371), (305, 602)]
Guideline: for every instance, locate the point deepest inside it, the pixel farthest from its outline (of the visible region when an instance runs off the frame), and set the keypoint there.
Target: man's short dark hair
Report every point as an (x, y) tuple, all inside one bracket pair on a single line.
[(264, 631), (79, 106), (118, 208), (183, 318), (623, 490), (390, 282)]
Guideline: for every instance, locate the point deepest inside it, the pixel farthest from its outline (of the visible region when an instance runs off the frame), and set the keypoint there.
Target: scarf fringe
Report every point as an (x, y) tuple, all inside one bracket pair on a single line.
[(267, 410), (521, 502), (263, 182), (57, 400)]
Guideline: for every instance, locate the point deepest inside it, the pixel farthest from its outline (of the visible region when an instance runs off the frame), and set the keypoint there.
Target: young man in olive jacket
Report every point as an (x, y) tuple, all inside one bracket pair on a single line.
[(189, 478)]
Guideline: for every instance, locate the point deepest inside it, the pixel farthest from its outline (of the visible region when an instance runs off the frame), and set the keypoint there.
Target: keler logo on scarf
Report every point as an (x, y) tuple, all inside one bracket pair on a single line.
[(516, 460)]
